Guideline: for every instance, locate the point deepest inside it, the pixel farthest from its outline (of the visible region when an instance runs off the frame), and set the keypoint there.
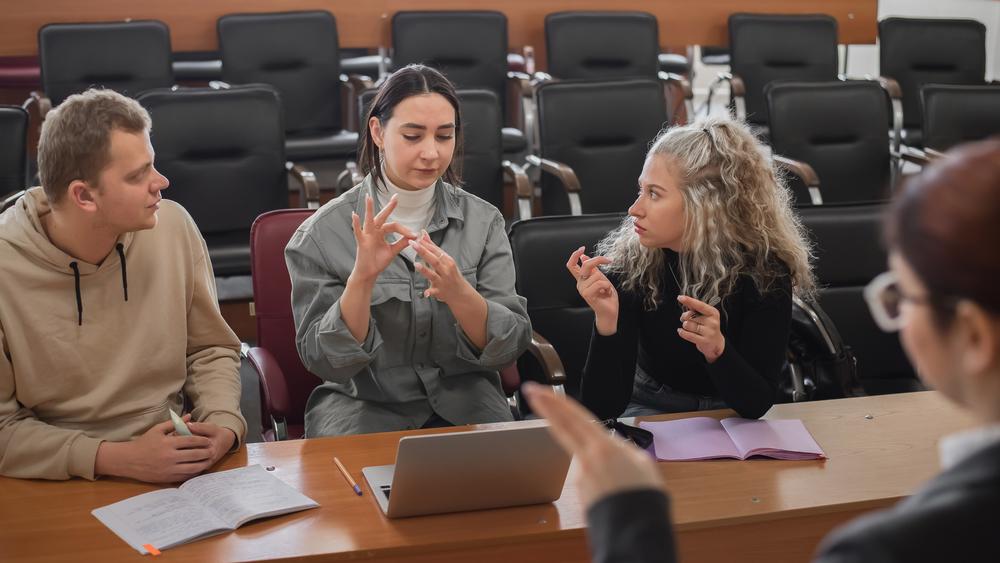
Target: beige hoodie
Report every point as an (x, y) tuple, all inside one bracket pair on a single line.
[(103, 355)]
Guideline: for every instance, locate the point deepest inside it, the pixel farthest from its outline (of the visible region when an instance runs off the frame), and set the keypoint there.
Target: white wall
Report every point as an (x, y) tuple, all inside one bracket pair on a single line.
[(863, 59)]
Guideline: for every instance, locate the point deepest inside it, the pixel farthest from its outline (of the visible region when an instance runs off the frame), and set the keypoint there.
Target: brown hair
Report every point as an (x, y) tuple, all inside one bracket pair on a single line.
[(411, 80), (946, 224), (75, 142)]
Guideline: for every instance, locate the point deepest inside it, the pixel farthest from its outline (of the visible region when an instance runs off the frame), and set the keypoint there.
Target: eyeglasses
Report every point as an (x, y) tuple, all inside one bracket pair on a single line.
[(638, 436), (885, 300)]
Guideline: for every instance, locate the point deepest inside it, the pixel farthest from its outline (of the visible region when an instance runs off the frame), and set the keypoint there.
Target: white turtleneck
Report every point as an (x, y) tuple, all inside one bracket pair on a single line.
[(414, 209)]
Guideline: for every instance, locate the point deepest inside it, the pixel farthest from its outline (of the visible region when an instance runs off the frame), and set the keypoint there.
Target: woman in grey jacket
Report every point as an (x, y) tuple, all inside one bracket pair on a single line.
[(403, 287)]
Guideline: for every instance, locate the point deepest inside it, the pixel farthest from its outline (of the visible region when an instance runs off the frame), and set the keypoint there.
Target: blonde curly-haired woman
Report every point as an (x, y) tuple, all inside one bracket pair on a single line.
[(692, 294)]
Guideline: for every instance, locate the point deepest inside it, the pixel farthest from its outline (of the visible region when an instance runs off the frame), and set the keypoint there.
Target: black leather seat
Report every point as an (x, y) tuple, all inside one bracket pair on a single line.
[(601, 130), (767, 47), (918, 51), (849, 253), (470, 48), (540, 248), (602, 45), (958, 114), (13, 150), (128, 57), (297, 53), (224, 155), (839, 129)]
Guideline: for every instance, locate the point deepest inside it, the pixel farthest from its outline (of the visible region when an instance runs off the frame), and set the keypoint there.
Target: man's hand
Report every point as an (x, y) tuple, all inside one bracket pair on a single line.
[(222, 438), (159, 455)]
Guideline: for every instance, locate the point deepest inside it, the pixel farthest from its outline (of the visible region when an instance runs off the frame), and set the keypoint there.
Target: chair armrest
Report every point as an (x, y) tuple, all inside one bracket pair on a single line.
[(39, 100), (923, 157), (679, 83), (524, 192), (566, 177), (10, 200), (737, 92), (895, 94), (308, 186), (356, 83), (804, 172), (545, 353), (933, 154), (274, 391)]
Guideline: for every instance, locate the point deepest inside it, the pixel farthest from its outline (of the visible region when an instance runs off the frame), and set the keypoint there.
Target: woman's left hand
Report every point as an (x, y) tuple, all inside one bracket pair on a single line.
[(701, 326), (447, 282)]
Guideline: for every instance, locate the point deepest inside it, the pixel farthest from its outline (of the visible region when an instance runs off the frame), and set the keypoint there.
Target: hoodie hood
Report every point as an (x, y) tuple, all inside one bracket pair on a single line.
[(29, 237)]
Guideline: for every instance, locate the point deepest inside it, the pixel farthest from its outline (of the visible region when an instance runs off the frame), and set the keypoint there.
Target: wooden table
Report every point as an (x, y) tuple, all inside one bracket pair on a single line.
[(366, 23), (768, 510)]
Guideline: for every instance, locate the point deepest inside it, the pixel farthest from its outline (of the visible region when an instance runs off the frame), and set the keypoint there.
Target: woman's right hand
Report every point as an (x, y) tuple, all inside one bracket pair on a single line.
[(596, 289), (374, 253)]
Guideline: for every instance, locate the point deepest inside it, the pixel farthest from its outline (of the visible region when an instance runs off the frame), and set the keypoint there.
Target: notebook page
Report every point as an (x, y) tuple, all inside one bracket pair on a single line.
[(239, 495), (163, 518), (690, 439), (781, 439)]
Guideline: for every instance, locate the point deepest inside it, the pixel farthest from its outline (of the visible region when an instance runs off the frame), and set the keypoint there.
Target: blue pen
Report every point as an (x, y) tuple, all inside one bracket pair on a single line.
[(350, 481)]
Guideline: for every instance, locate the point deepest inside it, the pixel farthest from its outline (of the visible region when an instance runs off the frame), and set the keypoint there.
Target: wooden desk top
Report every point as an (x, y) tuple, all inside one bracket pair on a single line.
[(872, 463), (366, 23)]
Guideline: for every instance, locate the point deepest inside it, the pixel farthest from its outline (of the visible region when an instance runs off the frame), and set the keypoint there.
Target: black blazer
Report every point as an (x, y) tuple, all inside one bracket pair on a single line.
[(952, 518)]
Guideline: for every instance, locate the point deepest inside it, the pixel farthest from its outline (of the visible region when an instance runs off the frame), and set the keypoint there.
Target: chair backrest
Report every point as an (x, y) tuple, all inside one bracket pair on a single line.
[(13, 149), (957, 114), (128, 57), (602, 130), (540, 247), (769, 47), (224, 154), (272, 295), (918, 51), (297, 53), (470, 48), (482, 122), (602, 45), (849, 254), (838, 128)]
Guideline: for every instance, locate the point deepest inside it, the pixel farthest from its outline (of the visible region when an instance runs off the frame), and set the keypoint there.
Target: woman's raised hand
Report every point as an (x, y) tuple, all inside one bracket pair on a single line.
[(596, 289), (375, 253)]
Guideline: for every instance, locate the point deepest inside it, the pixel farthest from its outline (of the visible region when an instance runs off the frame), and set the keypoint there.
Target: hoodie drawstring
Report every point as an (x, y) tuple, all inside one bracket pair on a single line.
[(79, 301), (76, 279), (121, 256)]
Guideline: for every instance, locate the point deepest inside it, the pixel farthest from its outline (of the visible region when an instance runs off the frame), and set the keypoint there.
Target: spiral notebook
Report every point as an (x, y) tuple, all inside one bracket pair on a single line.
[(698, 438)]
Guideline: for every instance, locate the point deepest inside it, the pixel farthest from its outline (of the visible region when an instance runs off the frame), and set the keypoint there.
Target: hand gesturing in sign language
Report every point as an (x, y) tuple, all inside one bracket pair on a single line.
[(596, 289)]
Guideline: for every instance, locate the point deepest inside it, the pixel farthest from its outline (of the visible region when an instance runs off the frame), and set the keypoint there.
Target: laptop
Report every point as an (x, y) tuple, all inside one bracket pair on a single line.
[(459, 471)]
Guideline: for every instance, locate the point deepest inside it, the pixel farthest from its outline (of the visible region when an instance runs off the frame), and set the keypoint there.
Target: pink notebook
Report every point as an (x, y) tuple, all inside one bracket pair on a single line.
[(690, 439)]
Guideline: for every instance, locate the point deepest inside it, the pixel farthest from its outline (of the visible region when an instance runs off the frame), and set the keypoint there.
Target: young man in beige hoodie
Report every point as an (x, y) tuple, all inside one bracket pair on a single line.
[(108, 312)]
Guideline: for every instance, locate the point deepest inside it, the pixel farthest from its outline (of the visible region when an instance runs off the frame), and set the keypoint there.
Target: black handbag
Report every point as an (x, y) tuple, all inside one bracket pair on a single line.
[(819, 364)]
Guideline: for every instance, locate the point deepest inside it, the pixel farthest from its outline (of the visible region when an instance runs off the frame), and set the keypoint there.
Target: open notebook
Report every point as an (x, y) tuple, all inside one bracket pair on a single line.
[(690, 439), (204, 506)]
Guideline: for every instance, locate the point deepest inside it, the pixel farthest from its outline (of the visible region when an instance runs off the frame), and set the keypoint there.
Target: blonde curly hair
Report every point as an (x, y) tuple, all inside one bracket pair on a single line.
[(738, 219)]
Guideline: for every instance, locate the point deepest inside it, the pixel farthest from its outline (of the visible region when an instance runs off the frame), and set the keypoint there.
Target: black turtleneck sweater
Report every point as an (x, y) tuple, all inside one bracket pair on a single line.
[(745, 376)]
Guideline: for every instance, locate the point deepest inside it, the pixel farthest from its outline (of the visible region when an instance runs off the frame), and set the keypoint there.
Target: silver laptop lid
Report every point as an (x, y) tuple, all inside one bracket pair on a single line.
[(458, 471)]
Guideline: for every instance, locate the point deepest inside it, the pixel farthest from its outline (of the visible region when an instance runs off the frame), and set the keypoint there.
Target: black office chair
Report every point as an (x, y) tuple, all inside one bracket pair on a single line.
[(849, 253), (470, 48), (540, 248), (224, 154), (593, 138), (839, 130), (296, 53), (958, 114), (767, 47), (128, 57), (918, 51), (613, 46), (13, 150)]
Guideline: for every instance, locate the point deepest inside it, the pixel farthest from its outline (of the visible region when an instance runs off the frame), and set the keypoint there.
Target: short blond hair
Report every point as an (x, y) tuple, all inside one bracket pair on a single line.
[(75, 142)]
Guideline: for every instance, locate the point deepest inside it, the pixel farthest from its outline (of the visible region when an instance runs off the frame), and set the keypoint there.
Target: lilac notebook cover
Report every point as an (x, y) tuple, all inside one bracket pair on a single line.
[(698, 438), (690, 439)]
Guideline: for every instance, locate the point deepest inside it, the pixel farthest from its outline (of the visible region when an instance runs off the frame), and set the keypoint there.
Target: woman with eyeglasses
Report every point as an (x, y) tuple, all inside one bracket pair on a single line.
[(692, 294), (941, 293), (403, 287)]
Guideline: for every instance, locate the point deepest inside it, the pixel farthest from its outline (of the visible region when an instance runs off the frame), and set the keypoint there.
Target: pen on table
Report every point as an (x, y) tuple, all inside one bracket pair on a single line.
[(350, 481)]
